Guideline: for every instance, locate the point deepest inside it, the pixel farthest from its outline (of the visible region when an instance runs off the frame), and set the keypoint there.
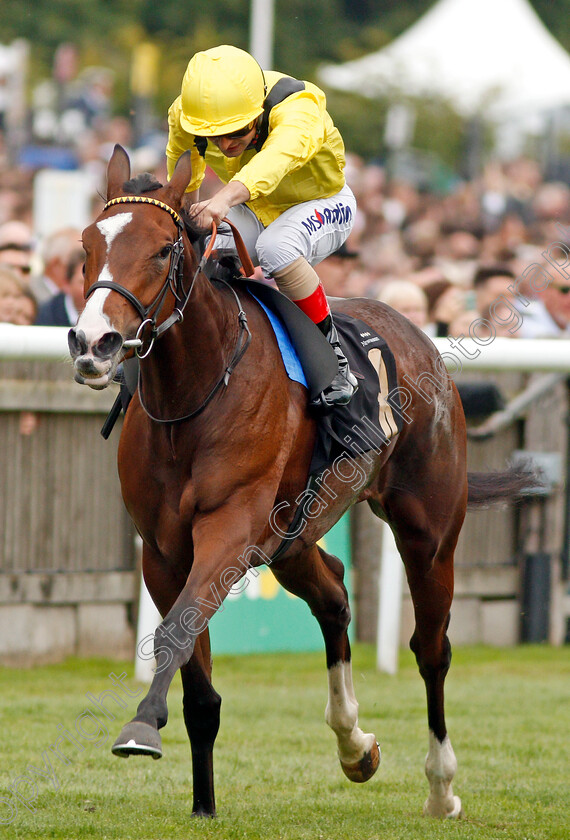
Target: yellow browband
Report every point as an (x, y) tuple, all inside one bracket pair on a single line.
[(143, 199)]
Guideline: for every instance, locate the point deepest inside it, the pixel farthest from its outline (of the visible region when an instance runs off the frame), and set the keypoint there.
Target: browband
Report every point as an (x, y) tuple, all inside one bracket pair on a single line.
[(143, 199)]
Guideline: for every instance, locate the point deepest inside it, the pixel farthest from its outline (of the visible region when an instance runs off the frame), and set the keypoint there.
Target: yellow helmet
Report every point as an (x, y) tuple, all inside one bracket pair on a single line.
[(223, 90)]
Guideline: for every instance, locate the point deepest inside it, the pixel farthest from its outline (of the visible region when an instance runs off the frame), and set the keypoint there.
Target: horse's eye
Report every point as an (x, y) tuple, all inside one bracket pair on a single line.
[(165, 252)]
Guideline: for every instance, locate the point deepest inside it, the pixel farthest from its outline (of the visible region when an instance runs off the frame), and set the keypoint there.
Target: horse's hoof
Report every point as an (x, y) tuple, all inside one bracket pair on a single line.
[(138, 738), (201, 814), (455, 813), (364, 769)]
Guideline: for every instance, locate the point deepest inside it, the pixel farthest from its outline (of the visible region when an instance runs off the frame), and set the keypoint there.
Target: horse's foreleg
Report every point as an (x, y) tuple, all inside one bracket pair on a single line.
[(202, 718), (174, 643), (428, 559), (317, 577), (140, 736), (218, 548)]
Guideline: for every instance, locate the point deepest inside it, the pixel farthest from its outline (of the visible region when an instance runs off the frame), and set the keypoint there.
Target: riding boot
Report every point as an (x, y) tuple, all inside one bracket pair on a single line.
[(300, 282), (344, 385)]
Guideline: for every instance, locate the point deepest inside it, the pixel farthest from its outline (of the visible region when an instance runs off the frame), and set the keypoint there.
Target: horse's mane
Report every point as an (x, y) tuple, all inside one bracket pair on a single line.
[(146, 182)]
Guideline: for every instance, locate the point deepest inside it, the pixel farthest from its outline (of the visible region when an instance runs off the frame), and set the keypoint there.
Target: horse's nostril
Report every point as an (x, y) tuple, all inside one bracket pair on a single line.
[(108, 345), (77, 342)]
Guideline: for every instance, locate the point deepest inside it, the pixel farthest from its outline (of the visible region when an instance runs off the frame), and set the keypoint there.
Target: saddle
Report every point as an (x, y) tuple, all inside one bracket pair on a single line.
[(368, 422), (373, 416)]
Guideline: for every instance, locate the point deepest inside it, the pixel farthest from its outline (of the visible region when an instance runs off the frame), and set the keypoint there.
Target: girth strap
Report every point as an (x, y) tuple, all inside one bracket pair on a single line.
[(293, 531)]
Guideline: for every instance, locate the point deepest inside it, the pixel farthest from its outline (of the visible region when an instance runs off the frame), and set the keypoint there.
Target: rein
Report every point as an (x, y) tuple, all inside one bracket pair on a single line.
[(175, 282), (242, 344)]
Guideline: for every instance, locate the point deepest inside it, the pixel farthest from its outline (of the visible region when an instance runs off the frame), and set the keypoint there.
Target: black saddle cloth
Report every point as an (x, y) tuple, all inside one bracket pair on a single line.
[(349, 430)]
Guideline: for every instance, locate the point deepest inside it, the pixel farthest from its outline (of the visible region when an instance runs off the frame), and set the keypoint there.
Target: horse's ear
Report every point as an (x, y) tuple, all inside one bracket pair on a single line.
[(118, 171), (180, 177)]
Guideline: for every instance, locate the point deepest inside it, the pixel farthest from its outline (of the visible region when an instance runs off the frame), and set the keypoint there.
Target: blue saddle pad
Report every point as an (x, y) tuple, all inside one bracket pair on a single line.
[(373, 417), (288, 352)]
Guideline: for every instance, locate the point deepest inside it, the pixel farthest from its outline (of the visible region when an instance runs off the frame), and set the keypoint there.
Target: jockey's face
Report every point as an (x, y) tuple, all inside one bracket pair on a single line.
[(235, 144)]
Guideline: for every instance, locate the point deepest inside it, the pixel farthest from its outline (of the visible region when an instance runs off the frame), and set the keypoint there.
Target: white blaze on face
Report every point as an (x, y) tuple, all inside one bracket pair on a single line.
[(92, 320), (110, 228)]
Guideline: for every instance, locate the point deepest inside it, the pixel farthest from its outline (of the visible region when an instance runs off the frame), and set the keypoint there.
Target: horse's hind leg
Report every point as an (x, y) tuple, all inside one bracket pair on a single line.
[(427, 551), (317, 577), (201, 706)]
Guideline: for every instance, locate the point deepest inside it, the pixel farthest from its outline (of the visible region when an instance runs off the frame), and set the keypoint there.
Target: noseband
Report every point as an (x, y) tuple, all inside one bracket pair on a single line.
[(174, 281)]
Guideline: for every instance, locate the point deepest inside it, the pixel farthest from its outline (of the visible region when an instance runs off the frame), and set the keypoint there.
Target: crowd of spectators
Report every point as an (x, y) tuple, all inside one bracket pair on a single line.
[(489, 256)]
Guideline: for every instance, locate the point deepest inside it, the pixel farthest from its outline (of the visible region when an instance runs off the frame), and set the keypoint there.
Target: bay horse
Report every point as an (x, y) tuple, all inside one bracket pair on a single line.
[(213, 461)]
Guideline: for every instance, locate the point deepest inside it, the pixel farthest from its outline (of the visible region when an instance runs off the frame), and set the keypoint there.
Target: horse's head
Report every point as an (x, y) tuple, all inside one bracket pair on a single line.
[(132, 268)]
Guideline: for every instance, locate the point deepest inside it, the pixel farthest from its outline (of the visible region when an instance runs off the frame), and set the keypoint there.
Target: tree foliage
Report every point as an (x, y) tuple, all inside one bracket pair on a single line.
[(307, 33)]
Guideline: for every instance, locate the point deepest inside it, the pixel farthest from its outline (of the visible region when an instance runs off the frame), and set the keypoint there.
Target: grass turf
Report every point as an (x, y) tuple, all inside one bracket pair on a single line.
[(276, 768)]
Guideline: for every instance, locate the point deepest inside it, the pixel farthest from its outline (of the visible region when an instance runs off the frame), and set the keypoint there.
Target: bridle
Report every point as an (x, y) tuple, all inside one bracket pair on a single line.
[(175, 282)]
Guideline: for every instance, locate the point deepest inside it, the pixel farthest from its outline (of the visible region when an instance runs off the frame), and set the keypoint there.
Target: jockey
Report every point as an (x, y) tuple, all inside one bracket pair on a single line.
[(271, 141)]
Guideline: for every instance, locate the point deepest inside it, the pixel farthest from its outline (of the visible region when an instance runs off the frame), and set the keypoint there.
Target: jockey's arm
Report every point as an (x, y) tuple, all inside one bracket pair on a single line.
[(216, 208)]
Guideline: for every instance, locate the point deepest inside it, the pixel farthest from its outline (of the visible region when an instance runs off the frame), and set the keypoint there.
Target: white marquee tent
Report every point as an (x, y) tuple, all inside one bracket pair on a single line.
[(489, 57)]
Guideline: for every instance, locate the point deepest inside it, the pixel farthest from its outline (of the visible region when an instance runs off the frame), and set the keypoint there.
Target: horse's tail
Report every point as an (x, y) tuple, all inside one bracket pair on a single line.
[(487, 488)]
